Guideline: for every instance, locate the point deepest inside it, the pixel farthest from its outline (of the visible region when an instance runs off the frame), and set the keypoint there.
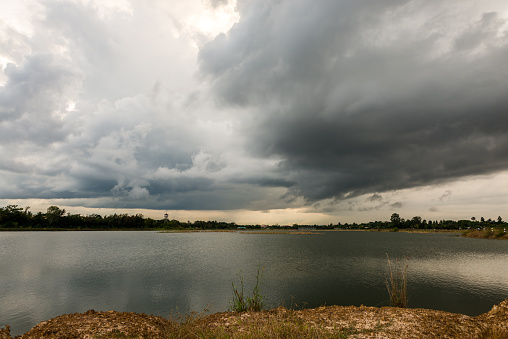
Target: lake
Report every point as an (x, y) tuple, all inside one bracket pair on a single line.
[(46, 274)]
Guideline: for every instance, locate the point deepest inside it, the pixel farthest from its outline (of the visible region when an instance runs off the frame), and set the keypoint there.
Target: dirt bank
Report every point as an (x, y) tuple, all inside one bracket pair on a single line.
[(322, 322)]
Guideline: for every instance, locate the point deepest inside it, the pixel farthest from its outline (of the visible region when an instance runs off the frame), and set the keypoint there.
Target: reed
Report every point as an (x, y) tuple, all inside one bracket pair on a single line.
[(396, 282), (242, 303)]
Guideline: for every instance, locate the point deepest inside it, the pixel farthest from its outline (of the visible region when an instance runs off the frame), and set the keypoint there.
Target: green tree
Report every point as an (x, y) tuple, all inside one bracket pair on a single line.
[(53, 214), (395, 218), (14, 216), (416, 221)]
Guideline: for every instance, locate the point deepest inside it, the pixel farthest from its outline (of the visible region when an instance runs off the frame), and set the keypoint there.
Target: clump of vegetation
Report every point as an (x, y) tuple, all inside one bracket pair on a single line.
[(500, 233), (396, 283), (275, 323), (497, 233), (242, 303)]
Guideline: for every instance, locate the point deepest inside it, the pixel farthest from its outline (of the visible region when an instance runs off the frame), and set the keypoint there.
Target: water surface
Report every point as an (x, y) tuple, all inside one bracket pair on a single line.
[(46, 274)]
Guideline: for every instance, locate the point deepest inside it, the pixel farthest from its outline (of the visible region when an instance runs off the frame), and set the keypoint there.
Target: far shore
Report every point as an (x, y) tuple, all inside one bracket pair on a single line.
[(488, 233)]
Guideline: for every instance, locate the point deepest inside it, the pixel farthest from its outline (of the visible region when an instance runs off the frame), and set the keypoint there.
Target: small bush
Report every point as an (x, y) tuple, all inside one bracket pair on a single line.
[(396, 283), (500, 233)]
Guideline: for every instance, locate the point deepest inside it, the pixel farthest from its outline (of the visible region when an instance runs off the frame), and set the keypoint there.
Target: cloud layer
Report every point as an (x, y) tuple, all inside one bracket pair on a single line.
[(136, 105)]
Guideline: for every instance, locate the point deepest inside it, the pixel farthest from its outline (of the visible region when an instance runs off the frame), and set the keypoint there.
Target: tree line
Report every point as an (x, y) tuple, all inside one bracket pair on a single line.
[(15, 217), (396, 222)]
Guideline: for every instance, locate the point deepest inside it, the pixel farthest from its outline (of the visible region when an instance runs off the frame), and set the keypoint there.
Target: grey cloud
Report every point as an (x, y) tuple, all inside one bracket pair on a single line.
[(447, 193), (397, 205), (375, 197), (353, 104), (217, 3), (264, 181), (480, 33), (120, 133), (31, 100)]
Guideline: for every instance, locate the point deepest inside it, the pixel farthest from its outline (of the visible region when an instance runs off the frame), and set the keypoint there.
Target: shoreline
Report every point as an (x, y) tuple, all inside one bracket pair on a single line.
[(497, 234), (487, 234), (321, 322)]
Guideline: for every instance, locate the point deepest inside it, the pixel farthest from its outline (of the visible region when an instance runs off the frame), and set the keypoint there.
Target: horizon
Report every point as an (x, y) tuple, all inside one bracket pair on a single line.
[(156, 215)]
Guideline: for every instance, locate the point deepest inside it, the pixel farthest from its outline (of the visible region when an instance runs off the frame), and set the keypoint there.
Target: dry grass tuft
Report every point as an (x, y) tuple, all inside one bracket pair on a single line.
[(396, 283), (242, 303)]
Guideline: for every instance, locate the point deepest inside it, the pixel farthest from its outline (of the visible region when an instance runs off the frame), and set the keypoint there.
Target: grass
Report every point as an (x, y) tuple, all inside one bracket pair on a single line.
[(277, 323), (396, 283), (242, 303), (498, 233), (278, 232)]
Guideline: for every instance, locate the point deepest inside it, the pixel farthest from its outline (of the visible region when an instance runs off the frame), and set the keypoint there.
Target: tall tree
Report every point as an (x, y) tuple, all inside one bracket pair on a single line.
[(395, 218), (53, 214)]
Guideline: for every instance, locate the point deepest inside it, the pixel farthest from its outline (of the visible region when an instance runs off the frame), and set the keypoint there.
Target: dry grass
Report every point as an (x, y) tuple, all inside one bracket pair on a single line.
[(396, 282), (243, 303), (197, 231), (278, 232), (487, 234), (276, 323)]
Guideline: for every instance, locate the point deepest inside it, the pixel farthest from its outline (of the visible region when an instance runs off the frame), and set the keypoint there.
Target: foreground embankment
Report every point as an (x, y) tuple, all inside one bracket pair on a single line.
[(322, 322)]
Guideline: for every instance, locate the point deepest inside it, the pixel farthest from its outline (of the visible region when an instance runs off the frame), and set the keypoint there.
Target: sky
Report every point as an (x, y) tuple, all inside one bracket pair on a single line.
[(256, 111)]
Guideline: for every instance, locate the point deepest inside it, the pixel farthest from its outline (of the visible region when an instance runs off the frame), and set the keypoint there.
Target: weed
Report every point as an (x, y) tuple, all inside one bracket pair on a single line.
[(500, 233), (242, 303), (396, 283)]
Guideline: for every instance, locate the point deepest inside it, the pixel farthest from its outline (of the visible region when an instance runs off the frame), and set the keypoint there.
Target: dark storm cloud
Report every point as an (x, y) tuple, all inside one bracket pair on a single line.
[(359, 97)]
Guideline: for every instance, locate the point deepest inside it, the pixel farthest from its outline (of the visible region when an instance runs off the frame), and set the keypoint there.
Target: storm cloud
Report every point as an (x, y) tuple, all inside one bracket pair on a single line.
[(357, 97), (295, 104)]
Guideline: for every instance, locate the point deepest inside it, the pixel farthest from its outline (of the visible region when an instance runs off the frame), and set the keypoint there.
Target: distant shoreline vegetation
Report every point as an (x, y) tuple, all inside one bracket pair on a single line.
[(13, 217)]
